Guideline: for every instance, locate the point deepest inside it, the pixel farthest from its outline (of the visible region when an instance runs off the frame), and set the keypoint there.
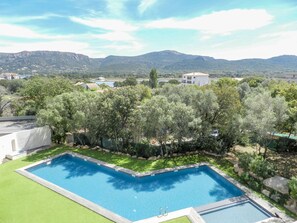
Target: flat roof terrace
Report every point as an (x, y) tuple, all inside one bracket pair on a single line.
[(8, 127)]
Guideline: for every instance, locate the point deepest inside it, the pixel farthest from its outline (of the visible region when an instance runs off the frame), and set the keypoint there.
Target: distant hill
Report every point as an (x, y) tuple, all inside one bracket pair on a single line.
[(45, 62), (166, 62)]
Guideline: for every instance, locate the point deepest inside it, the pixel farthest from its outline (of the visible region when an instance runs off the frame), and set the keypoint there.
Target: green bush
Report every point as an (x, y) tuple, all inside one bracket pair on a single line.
[(261, 167), (254, 184), (293, 187), (285, 145), (144, 149), (211, 144), (186, 147), (81, 139), (251, 181), (256, 164), (244, 140), (244, 160)]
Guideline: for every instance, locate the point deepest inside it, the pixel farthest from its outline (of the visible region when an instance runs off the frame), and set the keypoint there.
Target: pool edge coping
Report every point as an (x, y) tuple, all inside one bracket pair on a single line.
[(115, 217)]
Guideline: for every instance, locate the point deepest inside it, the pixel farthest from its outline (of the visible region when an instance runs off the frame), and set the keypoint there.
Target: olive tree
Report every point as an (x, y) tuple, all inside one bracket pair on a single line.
[(157, 119), (184, 122), (3, 103), (37, 90), (64, 113), (179, 93), (263, 115), (119, 113), (206, 107)]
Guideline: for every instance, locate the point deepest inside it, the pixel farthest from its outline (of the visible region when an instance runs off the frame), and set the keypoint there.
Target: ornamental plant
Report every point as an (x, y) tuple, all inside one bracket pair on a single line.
[(293, 188)]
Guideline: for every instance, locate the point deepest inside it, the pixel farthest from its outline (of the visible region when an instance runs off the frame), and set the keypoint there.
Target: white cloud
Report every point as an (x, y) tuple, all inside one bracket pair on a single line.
[(13, 19), (132, 46), (269, 45), (221, 22), (24, 32), (117, 30), (106, 24), (145, 4), (66, 46), (115, 36), (115, 7), (12, 30)]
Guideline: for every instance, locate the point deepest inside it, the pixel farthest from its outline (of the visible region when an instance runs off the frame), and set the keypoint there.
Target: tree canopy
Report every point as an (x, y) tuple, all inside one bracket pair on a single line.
[(153, 78), (38, 89), (213, 117)]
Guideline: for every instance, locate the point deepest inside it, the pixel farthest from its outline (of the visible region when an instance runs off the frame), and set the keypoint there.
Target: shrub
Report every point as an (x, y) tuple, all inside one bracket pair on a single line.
[(211, 144), (254, 184), (244, 160), (144, 149), (261, 167), (285, 145), (256, 164), (81, 139), (251, 181), (244, 140), (293, 187), (186, 147)]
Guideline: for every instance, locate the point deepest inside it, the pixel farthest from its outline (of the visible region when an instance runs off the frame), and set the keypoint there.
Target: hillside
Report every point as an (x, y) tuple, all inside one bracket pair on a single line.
[(167, 62), (47, 62)]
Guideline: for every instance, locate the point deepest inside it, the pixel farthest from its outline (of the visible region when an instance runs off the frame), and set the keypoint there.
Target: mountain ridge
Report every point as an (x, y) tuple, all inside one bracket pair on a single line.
[(166, 62)]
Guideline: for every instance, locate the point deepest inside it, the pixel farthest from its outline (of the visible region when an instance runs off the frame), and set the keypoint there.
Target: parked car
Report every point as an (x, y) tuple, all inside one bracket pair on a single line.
[(215, 133)]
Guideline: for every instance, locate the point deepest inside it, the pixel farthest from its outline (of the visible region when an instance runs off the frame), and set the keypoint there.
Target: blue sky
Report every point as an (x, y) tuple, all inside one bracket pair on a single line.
[(230, 29)]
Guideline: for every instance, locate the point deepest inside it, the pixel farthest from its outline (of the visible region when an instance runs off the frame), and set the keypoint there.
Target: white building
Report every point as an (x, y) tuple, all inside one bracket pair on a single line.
[(196, 78), (9, 76), (19, 137)]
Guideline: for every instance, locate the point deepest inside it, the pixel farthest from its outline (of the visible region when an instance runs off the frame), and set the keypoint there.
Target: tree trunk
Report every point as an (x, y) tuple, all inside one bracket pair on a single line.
[(101, 141), (265, 152), (290, 132), (79, 139), (162, 151), (259, 149)]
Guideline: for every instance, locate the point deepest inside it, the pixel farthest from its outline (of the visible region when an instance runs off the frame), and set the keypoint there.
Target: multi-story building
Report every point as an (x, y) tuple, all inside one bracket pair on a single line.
[(195, 78)]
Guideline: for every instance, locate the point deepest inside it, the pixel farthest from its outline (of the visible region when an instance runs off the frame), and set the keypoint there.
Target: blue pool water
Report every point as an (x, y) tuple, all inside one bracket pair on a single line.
[(246, 212), (132, 197)]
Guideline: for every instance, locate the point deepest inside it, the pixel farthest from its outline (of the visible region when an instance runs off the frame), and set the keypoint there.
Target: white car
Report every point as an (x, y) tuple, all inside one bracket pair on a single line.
[(215, 133)]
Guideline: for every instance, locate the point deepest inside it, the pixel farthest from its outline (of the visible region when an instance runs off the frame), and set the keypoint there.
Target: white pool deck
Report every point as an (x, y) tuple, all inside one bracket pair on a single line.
[(192, 213)]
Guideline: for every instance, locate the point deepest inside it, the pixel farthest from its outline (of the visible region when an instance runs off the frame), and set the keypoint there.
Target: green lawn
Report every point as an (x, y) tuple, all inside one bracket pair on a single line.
[(22, 200), (179, 220), (135, 164)]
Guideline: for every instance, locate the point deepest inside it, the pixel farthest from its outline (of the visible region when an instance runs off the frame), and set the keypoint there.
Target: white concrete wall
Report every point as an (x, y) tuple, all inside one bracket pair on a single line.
[(24, 140), (201, 80), (5, 145)]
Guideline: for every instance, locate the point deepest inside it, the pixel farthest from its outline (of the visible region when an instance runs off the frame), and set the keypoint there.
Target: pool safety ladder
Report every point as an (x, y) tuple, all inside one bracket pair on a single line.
[(163, 212)]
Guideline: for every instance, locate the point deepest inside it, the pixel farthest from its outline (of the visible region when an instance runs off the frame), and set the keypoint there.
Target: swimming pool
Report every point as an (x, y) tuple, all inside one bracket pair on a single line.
[(243, 212), (132, 197)]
